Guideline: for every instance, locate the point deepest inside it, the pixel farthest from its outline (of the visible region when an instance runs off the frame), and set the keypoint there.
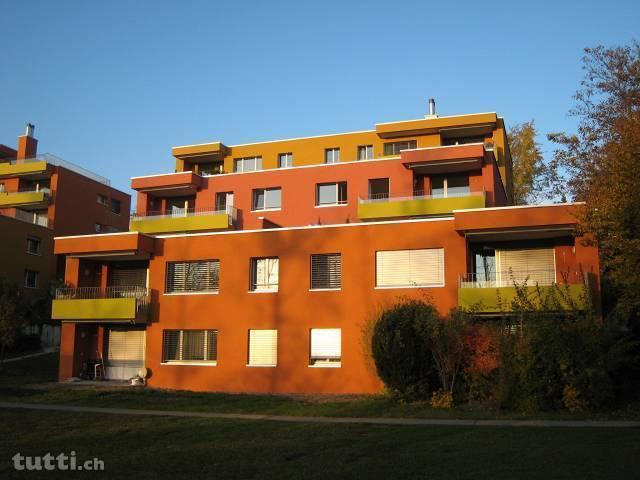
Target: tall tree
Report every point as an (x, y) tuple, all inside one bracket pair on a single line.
[(11, 316), (528, 165), (600, 165)]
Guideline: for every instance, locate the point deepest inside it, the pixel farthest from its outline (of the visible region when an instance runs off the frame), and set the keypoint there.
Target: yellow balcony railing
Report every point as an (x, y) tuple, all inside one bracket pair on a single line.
[(191, 220), (537, 289), (417, 205), (111, 304), (13, 168), (24, 198)]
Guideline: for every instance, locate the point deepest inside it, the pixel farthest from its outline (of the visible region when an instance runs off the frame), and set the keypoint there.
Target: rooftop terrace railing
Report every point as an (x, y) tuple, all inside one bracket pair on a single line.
[(55, 160)]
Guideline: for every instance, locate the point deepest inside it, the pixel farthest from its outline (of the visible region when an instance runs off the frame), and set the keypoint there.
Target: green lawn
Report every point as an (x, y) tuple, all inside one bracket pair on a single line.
[(157, 448), (16, 385)]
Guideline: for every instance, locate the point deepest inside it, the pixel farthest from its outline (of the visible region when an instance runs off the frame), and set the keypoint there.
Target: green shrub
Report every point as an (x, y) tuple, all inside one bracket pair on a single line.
[(401, 351)]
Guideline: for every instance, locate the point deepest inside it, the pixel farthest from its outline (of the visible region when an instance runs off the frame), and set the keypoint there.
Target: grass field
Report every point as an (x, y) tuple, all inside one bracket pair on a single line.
[(162, 447), (157, 448), (16, 385)]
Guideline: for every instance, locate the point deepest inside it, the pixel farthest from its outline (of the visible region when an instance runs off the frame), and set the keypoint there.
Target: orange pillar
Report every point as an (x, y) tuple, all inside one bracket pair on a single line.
[(67, 351)]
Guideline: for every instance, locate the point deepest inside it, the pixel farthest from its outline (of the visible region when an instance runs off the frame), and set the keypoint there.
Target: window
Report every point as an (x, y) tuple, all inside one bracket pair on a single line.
[(331, 193), (201, 276), (326, 271), (326, 348), (264, 274), (224, 201), (30, 279), (102, 199), (462, 140), (267, 198), (394, 148), (378, 188), (285, 160), (98, 227), (249, 164), (190, 346), (535, 266), (410, 268), (332, 155), (365, 152), (33, 245), (451, 186), (263, 348), (115, 206)]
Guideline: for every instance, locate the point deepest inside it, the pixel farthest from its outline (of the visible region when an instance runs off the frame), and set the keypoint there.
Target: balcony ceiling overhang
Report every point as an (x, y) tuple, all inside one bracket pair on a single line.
[(469, 131), (201, 153), (434, 125), (129, 245), (178, 184), (445, 166), (538, 233), (114, 256)]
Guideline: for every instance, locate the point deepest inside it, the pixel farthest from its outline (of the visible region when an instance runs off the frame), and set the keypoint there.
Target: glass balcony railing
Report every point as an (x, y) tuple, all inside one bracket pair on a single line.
[(40, 162)]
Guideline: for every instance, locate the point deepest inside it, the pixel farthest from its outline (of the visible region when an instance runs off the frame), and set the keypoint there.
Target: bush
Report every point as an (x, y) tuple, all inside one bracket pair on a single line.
[(26, 343), (401, 349)]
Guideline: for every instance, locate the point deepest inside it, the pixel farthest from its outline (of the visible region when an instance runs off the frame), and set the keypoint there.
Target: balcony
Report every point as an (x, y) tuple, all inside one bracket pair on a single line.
[(184, 220), (39, 167), (26, 199), (110, 304), (496, 292), (417, 205)]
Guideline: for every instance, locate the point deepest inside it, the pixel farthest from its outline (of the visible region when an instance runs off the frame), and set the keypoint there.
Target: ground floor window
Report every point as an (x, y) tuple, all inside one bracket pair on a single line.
[(326, 349), (185, 346)]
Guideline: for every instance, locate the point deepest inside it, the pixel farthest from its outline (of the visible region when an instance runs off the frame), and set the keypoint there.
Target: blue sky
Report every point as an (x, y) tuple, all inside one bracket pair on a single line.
[(114, 85)]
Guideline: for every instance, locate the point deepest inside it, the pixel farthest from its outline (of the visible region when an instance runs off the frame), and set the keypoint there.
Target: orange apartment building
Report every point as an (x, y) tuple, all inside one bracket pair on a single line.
[(42, 196), (256, 267)]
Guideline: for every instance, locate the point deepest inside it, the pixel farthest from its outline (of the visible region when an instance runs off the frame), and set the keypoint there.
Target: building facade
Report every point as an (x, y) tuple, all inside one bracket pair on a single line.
[(42, 196), (257, 268)]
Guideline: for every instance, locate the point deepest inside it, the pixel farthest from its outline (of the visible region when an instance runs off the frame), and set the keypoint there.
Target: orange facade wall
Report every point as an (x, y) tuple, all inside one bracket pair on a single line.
[(293, 310), (75, 210), (299, 190)]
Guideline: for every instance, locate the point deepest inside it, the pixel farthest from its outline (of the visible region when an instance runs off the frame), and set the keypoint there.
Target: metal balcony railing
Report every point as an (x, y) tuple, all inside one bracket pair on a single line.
[(415, 195), (519, 277), (55, 160), (188, 212), (28, 217), (141, 294)]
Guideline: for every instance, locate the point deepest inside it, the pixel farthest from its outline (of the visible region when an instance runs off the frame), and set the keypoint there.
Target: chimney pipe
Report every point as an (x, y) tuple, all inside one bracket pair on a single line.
[(30, 129), (432, 108)]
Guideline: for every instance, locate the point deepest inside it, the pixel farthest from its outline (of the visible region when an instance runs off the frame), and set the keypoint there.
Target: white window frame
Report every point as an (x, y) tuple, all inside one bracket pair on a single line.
[(445, 186), (36, 276), (180, 361), (329, 361), (412, 267), (272, 280), (368, 152), (38, 243), (338, 202), (332, 155), (265, 193), (288, 160), (269, 338), (240, 162), (214, 290)]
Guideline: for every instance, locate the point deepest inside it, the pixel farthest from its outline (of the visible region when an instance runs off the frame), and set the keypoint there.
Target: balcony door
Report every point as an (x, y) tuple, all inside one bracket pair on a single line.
[(536, 266)]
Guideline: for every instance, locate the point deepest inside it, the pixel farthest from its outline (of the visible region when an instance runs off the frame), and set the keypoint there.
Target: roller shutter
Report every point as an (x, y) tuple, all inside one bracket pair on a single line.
[(535, 265)]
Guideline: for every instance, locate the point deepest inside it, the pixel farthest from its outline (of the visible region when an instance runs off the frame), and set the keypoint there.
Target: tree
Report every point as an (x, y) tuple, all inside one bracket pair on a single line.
[(528, 165), (11, 316), (599, 165)]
